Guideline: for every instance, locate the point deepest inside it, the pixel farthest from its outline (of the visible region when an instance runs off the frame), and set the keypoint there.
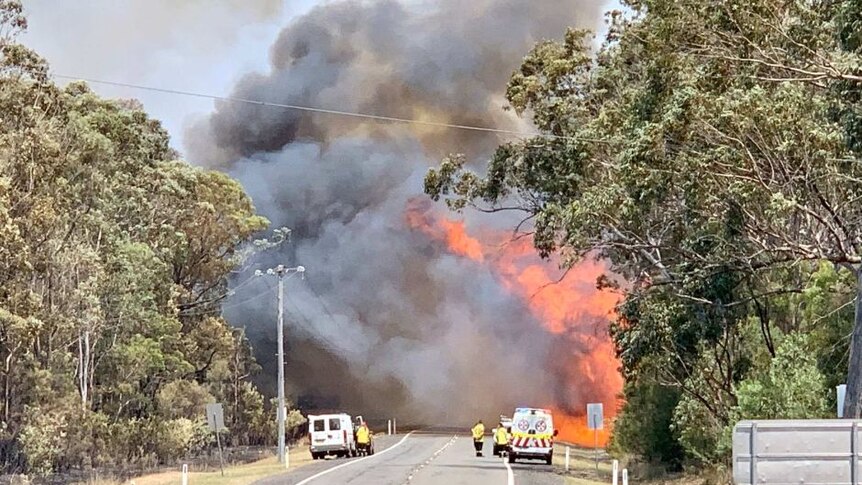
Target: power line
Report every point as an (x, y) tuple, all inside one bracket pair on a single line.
[(394, 119), (322, 303), (233, 304)]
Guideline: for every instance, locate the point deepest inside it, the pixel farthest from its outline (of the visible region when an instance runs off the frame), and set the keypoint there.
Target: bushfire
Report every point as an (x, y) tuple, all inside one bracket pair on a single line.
[(567, 305)]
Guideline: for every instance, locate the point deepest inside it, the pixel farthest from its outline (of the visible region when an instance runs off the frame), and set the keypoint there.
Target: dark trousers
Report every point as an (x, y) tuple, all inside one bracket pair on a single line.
[(478, 444)]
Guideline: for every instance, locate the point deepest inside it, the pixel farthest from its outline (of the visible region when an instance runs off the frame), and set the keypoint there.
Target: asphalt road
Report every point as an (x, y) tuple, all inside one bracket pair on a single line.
[(420, 460)]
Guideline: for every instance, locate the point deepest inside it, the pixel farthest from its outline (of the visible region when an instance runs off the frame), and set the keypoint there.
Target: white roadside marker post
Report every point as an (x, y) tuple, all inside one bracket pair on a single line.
[(616, 474), (185, 474), (625, 476), (567, 458), (389, 427)]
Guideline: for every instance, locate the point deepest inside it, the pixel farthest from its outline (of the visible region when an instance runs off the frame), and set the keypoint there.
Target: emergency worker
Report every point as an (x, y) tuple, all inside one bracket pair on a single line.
[(478, 437), (501, 438), (363, 438)]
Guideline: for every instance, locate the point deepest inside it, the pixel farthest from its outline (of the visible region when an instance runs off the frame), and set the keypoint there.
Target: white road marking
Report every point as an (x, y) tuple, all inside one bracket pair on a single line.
[(511, 478), (429, 460), (324, 472)]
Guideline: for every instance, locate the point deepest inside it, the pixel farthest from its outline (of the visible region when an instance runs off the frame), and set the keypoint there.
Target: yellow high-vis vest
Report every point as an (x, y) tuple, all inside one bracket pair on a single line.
[(362, 435), (501, 437), (478, 432)]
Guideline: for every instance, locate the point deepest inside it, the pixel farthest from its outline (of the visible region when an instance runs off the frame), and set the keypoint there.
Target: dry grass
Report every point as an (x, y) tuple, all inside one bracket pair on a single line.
[(582, 470), (236, 475)]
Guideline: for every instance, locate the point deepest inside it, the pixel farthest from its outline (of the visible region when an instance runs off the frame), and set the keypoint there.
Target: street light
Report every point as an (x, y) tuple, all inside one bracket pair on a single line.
[(281, 271)]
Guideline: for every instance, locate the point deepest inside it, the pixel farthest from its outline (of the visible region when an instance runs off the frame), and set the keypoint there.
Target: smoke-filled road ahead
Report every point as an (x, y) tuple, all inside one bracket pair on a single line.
[(420, 460)]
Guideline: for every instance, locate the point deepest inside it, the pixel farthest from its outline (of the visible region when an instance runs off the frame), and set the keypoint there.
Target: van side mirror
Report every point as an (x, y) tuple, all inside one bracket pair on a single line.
[(556, 432)]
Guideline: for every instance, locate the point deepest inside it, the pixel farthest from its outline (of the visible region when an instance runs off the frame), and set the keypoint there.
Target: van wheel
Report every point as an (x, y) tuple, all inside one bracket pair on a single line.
[(511, 458)]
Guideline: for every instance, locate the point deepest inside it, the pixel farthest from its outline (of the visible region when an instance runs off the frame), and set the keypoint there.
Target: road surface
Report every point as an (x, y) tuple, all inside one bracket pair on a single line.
[(420, 459)]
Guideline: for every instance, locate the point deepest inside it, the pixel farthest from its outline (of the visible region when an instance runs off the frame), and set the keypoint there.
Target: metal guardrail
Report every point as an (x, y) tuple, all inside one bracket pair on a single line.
[(779, 452)]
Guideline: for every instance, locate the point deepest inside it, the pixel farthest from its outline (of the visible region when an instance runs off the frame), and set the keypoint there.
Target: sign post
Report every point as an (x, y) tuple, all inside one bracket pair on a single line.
[(215, 420), (595, 422), (842, 393)]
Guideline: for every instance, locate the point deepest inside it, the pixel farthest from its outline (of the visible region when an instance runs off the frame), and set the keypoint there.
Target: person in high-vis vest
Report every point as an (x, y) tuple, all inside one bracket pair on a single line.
[(501, 440), (363, 439), (478, 437)]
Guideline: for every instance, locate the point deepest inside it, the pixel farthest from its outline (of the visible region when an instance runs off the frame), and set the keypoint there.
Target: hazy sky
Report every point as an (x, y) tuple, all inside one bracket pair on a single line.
[(190, 45)]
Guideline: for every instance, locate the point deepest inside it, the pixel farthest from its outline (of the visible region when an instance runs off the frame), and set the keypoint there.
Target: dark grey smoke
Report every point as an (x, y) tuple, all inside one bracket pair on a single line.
[(401, 325)]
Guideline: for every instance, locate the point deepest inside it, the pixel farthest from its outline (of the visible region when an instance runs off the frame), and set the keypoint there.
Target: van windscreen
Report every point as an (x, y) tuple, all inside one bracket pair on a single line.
[(319, 425), (334, 424)]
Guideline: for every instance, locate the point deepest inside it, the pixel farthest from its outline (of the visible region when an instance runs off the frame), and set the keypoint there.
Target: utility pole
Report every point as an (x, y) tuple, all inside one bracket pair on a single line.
[(281, 272)]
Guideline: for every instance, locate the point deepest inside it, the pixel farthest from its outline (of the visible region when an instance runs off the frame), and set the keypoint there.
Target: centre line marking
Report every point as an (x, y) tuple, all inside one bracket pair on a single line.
[(324, 472)]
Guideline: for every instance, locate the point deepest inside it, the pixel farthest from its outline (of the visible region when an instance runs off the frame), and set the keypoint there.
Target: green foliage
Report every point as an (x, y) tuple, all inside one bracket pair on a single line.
[(114, 260), (791, 388), (643, 427), (178, 437), (42, 441), (183, 399), (708, 151)]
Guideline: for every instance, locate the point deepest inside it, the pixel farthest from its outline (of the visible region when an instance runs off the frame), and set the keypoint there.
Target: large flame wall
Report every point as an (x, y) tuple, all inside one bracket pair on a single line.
[(566, 304)]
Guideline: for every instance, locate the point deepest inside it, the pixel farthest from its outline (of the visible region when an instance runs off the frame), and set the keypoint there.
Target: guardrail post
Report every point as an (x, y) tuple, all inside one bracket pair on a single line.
[(854, 452), (752, 446), (625, 476), (185, 474), (616, 470), (567, 458)]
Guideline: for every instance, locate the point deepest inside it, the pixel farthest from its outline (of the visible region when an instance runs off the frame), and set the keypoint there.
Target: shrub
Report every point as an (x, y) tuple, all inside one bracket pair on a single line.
[(643, 426), (42, 440), (183, 399)]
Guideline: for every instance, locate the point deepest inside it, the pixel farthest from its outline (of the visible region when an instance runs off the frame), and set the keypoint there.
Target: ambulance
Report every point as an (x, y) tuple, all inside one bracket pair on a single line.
[(532, 435)]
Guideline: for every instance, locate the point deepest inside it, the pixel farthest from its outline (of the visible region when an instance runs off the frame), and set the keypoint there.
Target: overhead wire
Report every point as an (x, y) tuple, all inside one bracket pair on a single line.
[(320, 299), (270, 289), (229, 293), (319, 337), (314, 109)]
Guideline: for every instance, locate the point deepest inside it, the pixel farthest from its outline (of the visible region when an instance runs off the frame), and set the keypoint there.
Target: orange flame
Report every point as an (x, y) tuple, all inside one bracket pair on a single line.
[(569, 306)]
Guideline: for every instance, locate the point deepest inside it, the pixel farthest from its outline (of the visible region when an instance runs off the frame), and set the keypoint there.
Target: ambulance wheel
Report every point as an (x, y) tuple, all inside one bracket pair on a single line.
[(511, 458), (550, 458)]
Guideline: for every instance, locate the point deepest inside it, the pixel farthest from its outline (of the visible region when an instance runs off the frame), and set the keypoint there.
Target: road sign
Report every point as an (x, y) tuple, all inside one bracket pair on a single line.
[(215, 416), (595, 416), (215, 420)]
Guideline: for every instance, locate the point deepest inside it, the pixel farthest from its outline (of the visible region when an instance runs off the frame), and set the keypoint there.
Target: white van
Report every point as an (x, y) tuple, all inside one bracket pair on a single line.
[(532, 435), (331, 434)]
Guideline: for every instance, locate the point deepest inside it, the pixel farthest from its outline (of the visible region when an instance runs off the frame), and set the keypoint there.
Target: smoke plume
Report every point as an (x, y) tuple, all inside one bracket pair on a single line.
[(396, 317)]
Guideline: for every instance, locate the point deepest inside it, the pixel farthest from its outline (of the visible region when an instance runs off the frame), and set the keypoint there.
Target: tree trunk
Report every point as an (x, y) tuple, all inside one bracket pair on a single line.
[(853, 399)]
